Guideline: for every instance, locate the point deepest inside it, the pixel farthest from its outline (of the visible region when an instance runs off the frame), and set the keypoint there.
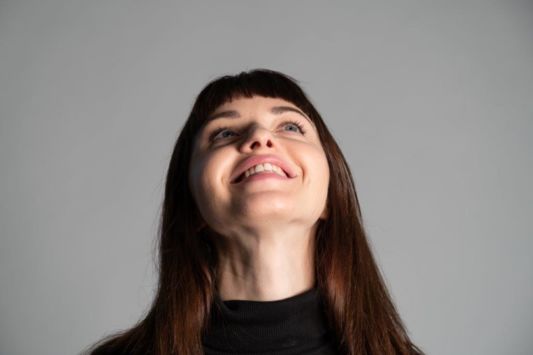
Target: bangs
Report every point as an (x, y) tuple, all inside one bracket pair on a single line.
[(259, 82)]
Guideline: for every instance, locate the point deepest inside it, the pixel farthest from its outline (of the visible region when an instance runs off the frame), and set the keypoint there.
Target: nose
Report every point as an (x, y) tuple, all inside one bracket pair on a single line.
[(256, 138)]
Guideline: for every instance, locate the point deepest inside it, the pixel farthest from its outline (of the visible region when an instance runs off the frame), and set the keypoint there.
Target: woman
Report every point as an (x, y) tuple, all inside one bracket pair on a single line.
[(262, 247)]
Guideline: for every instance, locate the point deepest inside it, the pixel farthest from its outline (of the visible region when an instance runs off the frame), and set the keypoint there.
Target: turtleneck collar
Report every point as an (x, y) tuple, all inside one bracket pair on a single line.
[(294, 325)]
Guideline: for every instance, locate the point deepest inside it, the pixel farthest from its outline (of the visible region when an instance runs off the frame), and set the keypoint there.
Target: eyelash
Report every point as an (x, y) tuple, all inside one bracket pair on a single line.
[(221, 129)]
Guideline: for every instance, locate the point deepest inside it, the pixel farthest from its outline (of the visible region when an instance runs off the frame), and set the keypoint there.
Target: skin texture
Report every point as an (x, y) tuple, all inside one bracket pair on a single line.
[(264, 229)]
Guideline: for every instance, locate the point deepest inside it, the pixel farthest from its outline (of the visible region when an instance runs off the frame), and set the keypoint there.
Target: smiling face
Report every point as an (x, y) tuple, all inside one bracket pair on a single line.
[(255, 127)]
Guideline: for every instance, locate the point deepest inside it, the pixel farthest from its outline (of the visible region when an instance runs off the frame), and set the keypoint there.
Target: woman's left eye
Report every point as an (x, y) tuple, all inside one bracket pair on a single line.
[(297, 124), (220, 130)]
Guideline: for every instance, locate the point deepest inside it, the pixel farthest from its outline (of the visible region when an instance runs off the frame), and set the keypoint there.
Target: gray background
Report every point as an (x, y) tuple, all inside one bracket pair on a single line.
[(431, 103)]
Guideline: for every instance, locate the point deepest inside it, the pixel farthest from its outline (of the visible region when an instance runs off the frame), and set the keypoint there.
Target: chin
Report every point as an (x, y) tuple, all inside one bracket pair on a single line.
[(269, 205)]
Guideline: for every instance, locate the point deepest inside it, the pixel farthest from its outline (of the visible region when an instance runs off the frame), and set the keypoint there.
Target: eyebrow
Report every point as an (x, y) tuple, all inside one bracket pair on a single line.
[(276, 110)]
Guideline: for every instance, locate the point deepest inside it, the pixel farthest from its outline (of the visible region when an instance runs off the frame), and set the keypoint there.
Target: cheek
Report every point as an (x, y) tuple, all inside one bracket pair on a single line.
[(323, 170), (197, 179), (321, 178), (206, 175), (317, 162)]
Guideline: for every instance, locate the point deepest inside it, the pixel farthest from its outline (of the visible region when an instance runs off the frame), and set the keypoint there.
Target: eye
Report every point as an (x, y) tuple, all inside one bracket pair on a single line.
[(297, 124), (219, 133), (215, 133)]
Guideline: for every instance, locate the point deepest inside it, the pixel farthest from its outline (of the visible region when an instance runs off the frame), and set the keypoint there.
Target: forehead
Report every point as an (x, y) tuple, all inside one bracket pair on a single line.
[(253, 103), (249, 106)]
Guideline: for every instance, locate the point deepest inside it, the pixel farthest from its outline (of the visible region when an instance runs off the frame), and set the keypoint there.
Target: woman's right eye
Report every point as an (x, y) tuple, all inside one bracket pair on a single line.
[(214, 135)]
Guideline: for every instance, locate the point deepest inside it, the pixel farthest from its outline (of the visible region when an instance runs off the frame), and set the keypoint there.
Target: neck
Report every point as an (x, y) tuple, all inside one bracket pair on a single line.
[(265, 268)]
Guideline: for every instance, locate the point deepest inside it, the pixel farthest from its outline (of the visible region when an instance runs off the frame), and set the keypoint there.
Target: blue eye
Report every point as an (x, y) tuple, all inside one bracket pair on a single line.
[(217, 132), (298, 125)]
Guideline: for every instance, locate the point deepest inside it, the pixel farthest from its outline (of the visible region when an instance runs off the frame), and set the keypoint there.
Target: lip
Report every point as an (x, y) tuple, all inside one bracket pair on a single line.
[(261, 159)]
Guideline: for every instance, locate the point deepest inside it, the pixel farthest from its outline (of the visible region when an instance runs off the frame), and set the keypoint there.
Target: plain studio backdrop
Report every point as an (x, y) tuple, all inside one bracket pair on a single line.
[(430, 101)]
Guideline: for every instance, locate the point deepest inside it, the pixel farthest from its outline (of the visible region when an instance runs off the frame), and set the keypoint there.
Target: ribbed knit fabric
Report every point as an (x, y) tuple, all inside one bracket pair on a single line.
[(294, 325)]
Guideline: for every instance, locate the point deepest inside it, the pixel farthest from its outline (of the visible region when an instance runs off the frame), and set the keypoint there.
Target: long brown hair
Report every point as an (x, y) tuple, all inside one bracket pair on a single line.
[(359, 308)]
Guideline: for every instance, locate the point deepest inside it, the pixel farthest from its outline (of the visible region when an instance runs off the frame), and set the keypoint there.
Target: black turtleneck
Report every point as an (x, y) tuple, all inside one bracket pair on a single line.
[(294, 325)]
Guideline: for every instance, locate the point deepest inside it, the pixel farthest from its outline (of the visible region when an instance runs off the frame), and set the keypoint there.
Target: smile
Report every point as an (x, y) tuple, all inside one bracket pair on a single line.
[(262, 171)]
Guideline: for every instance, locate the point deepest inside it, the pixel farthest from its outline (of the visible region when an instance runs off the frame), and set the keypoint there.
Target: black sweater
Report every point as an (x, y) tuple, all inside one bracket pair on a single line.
[(294, 325)]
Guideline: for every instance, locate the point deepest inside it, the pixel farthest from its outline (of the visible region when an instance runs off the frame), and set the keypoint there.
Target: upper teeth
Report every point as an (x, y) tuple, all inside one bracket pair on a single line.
[(264, 167)]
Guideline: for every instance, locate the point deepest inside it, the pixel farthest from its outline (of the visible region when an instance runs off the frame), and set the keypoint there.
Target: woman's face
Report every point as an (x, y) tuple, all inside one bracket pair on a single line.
[(258, 127)]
